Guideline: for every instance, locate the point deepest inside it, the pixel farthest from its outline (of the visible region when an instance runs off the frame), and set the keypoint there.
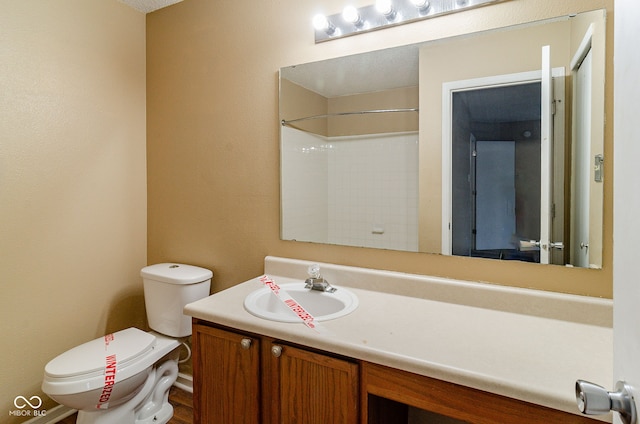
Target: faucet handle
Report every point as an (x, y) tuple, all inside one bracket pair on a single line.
[(314, 271)]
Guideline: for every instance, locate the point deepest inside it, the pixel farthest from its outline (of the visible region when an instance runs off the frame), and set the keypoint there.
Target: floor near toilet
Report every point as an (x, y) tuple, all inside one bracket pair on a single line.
[(181, 400)]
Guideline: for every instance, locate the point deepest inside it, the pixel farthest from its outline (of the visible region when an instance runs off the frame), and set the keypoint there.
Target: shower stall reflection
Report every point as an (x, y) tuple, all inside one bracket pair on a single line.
[(357, 190)]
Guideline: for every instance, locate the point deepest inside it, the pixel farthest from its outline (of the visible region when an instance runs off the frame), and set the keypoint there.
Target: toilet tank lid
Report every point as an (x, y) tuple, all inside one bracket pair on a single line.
[(174, 273), (117, 349)]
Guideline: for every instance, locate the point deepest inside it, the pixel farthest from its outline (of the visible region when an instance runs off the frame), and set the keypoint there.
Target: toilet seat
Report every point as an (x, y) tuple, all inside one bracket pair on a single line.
[(83, 368)]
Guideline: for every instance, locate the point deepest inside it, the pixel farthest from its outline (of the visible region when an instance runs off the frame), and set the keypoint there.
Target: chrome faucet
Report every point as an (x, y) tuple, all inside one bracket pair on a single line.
[(316, 282)]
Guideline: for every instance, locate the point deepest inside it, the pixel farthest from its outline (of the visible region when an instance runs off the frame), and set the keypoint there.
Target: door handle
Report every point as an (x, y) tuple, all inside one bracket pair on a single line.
[(596, 400), (531, 244)]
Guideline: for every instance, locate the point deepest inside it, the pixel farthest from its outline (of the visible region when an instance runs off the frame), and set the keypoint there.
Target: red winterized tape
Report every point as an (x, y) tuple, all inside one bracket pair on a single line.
[(306, 318)]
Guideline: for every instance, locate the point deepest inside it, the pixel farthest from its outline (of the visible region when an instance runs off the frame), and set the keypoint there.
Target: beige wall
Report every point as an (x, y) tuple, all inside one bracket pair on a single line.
[(375, 123), (300, 103), (213, 137), (303, 103), (72, 181)]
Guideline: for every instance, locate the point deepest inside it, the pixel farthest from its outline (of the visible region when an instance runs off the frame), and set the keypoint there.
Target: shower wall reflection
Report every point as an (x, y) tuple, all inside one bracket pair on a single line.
[(351, 190)]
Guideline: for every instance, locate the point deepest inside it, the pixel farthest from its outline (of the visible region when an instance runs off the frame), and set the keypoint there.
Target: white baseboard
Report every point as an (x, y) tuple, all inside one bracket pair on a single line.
[(53, 415), (60, 412), (184, 382)]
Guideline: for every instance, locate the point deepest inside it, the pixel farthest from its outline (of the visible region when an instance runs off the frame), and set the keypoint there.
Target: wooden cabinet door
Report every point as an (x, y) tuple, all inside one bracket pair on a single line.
[(226, 377), (312, 388)]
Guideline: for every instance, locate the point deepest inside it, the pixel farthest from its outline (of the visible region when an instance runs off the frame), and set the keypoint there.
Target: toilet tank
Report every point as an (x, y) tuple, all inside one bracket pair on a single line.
[(168, 287)]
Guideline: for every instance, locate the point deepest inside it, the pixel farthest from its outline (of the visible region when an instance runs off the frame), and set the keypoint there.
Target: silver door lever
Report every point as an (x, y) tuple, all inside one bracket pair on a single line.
[(596, 400)]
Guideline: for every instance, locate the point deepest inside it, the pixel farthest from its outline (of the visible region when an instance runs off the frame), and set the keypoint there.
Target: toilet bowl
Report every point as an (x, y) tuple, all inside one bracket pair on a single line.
[(125, 377)]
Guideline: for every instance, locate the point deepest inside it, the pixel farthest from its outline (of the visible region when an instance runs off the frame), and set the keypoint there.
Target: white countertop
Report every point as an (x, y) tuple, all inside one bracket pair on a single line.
[(535, 356)]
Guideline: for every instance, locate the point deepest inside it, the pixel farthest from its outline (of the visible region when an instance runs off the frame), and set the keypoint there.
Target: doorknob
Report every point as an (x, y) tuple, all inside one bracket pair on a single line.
[(595, 400)]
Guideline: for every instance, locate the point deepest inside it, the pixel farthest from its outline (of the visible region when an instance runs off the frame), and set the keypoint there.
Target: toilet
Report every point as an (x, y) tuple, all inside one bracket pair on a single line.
[(125, 377)]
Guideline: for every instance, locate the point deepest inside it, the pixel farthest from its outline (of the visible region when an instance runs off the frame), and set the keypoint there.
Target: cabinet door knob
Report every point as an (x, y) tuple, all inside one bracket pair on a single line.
[(276, 351), (245, 343)]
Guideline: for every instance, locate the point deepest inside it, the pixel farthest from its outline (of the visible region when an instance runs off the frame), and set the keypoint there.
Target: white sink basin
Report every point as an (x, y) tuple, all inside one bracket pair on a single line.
[(322, 305)]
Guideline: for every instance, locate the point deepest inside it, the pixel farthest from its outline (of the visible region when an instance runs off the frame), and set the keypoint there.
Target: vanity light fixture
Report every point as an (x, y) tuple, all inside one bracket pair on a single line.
[(386, 13)]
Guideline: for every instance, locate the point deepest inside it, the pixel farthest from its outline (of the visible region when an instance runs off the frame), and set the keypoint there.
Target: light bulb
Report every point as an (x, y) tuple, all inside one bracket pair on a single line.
[(384, 6), (350, 14), (421, 4), (321, 23)]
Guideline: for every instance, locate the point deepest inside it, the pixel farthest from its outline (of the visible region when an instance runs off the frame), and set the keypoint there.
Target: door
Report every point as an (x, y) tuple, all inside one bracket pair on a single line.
[(311, 388), (582, 166), (456, 163), (626, 200), (495, 194), (226, 386), (549, 216), (546, 157), (626, 196)]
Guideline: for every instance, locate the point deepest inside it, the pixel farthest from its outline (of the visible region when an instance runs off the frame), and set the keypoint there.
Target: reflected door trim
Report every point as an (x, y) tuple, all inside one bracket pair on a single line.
[(581, 69), (546, 157)]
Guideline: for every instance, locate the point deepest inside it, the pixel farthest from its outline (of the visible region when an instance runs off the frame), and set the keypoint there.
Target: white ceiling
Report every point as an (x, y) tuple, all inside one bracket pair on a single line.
[(361, 73), (146, 6), (398, 67)]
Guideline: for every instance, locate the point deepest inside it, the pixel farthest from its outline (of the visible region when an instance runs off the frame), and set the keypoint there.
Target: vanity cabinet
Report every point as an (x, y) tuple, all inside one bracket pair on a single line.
[(242, 378), (387, 394), (248, 378)]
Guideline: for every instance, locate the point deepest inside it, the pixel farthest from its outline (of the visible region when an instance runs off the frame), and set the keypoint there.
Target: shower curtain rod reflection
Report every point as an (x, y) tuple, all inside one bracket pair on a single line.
[(361, 112)]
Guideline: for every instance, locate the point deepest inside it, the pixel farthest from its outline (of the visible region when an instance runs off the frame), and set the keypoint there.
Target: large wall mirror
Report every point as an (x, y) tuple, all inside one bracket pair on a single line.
[(487, 145)]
